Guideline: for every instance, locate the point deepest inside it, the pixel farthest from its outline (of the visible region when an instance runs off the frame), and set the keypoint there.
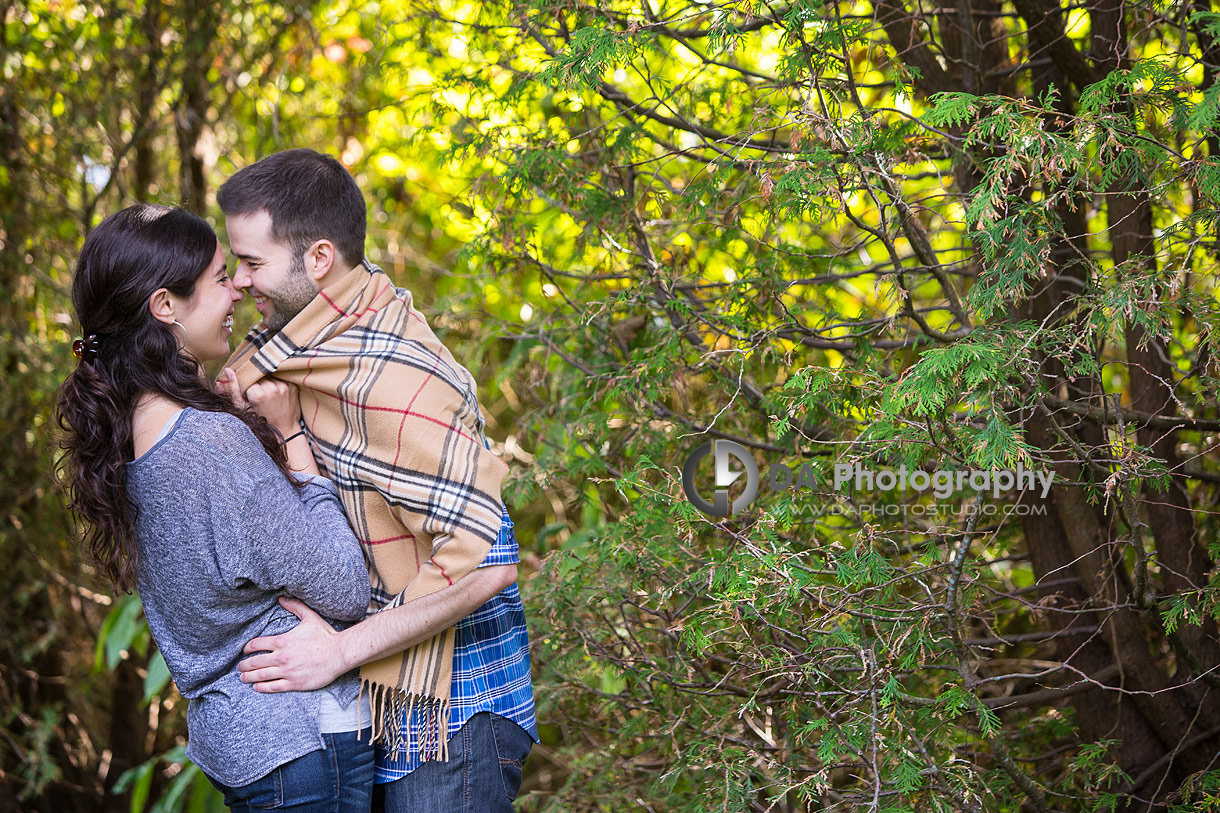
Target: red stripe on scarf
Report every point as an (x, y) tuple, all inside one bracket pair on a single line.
[(408, 413), (342, 312), (391, 539)]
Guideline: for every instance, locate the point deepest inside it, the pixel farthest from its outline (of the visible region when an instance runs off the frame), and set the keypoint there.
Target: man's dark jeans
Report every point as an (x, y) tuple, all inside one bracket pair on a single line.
[(482, 775)]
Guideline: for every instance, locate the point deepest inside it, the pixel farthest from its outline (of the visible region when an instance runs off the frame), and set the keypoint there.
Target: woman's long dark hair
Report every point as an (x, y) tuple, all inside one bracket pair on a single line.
[(124, 260)]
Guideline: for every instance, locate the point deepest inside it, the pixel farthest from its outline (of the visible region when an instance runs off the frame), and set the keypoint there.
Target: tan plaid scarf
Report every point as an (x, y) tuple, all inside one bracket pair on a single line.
[(396, 421)]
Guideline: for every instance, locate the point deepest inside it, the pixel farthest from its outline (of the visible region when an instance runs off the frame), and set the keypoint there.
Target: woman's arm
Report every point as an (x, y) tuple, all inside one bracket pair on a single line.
[(280, 404), (280, 537), (299, 541)]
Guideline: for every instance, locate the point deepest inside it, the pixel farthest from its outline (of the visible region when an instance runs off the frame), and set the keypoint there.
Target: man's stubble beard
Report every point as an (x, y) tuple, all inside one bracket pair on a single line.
[(297, 291)]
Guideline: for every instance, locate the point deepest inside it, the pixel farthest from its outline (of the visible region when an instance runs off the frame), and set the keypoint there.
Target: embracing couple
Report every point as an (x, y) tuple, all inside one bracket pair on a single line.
[(349, 634)]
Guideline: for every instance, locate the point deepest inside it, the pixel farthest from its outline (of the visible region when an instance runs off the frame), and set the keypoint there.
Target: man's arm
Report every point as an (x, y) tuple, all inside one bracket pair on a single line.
[(313, 654)]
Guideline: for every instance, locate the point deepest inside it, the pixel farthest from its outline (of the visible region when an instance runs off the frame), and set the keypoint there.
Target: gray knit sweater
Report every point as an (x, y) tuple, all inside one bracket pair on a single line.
[(222, 534)]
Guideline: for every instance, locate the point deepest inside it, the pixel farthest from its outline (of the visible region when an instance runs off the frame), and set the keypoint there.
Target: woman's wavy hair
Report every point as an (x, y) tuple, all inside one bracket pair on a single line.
[(128, 257)]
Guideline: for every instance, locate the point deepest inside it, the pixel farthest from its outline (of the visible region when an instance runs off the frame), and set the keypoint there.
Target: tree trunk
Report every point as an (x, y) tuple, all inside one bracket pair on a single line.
[(146, 100), (201, 20)]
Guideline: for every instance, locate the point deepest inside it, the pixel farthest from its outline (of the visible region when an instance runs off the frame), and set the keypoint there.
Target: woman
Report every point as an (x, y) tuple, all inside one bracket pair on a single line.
[(190, 498)]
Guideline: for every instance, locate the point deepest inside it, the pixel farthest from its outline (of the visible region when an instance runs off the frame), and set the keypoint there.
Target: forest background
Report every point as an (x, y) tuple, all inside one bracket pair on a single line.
[(941, 234)]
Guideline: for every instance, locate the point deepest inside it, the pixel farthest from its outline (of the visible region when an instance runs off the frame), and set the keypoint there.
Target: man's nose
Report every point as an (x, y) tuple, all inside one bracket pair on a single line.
[(241, 277)]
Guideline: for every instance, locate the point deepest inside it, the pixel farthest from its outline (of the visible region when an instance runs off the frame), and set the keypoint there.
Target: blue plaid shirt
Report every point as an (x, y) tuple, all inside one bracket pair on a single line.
[(491, 665)]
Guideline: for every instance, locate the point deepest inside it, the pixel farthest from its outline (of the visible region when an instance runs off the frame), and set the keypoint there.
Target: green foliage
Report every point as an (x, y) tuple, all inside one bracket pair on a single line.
[(188, 791), (158, 677), (124, 629), (953, 109), (590, 52), (1200, 794), (1206, 113)]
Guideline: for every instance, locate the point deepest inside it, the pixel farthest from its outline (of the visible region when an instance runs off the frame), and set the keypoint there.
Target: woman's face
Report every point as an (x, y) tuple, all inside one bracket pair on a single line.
[(207, 316)]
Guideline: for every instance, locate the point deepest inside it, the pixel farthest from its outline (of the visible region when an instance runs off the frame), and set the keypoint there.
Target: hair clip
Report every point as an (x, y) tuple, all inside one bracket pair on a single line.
[(86, 348)]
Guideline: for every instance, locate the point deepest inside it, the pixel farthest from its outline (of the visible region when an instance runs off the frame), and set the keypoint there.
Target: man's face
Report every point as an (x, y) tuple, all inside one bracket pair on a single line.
[(269, 270)]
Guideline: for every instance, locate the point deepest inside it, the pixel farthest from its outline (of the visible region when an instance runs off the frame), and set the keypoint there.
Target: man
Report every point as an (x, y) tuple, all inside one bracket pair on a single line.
[(396, 422)]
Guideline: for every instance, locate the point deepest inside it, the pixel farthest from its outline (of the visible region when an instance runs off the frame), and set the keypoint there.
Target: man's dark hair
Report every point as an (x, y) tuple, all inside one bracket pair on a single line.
[(310, 197)]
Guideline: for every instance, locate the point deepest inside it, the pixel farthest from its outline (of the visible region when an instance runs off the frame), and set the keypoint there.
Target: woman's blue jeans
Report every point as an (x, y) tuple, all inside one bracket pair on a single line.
[(335, 779)]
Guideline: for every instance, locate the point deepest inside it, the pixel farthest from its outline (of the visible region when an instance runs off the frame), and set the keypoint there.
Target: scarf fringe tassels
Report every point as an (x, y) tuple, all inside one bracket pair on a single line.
[(394, 711)]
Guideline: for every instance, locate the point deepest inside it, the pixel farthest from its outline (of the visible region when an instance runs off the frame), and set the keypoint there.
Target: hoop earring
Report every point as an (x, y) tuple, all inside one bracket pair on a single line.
[(179, 324)]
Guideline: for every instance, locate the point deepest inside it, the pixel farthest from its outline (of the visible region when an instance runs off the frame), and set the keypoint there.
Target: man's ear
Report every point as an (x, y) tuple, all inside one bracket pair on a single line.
[(320, 258), (161, 306)]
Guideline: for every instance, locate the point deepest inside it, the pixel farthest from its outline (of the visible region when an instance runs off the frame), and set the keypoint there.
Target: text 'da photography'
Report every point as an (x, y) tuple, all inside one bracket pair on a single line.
[(733, 478)]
